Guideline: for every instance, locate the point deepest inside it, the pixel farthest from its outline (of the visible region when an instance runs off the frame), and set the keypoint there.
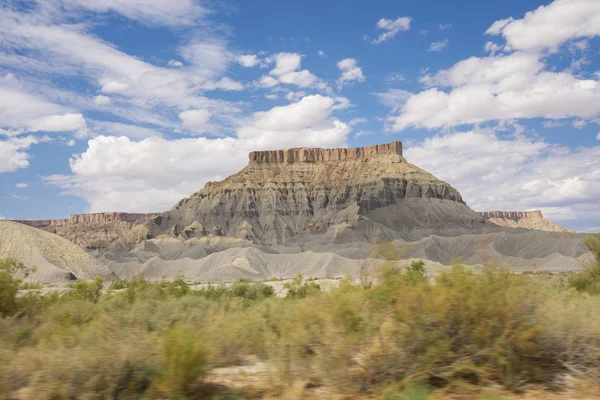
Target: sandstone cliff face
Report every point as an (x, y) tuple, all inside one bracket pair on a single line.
[(93, 230), (314, 155), (282, 193), (523, 219)]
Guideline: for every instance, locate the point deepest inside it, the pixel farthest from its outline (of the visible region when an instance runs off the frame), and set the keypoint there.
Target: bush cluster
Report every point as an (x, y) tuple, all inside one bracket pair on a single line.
[(457, 332)]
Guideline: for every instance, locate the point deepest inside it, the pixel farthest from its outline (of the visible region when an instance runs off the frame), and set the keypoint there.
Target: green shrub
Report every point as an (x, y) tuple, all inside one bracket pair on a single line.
[(299, 289), (463, 330), (11, 274), (589, 280), (242, 288), (185, 363), (137, 287), (176, 288), (415, 272), (118, 284), (456, 333), (87, 290), (250, 290)]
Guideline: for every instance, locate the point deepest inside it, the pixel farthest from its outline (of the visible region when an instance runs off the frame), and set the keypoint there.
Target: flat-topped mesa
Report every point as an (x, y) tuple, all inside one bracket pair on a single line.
[(514, 215), (522, 219), (284, 193), (110, 216), (90, 218), (92, 230), (314, 155)]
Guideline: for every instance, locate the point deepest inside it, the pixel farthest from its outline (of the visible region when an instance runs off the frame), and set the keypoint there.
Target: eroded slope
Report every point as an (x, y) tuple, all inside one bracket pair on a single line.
[(56, 260)]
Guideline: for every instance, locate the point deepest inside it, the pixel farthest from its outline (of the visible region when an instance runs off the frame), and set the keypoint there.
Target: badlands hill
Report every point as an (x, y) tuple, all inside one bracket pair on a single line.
[(284, 193), (322, 211), (56, 260), (523, 219)]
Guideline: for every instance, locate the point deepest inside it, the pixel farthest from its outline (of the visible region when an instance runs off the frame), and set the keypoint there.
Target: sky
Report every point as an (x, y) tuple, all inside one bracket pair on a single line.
[(132, 105)]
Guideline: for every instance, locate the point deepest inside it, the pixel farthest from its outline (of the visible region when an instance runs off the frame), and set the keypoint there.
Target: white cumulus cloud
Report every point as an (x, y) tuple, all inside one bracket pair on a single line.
[(350, 72), (196, 120), (491, 47), (519, 82), (287, 71), (175, 63), (563, 182), (118, 173), (13, 153), (112, 86), (19, 108), (549, 26), (58, 123), (248, 60), (102, 100), (498, 87)]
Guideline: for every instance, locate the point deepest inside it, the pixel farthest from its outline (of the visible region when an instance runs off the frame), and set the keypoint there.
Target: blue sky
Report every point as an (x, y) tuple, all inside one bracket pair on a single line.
[(124, 105)]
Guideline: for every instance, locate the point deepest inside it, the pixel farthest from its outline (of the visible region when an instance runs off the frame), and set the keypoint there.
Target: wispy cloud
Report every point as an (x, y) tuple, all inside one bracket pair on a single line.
[(363, 133), (438, 46), (391, 27)]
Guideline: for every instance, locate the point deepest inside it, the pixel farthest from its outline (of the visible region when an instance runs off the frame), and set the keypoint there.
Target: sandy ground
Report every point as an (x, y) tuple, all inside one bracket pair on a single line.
[(256, 380)]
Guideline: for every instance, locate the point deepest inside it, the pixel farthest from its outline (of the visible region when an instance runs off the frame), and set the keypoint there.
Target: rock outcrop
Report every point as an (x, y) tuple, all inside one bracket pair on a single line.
[(313, 155), (282, 193), (55, 260), (96, 230), (523, 219)]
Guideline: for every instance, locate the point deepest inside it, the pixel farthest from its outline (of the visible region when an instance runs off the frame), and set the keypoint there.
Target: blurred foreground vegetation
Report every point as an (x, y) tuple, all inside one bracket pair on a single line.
[(395, 336)]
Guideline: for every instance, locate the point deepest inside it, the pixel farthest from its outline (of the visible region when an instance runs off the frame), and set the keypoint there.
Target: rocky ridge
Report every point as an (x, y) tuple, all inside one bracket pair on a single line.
[(96, 230), (523, 219)]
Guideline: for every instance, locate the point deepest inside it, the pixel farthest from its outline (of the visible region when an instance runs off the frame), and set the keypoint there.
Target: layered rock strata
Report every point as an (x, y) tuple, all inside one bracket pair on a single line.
[(96, 230), (282, 193), (523, 219)]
